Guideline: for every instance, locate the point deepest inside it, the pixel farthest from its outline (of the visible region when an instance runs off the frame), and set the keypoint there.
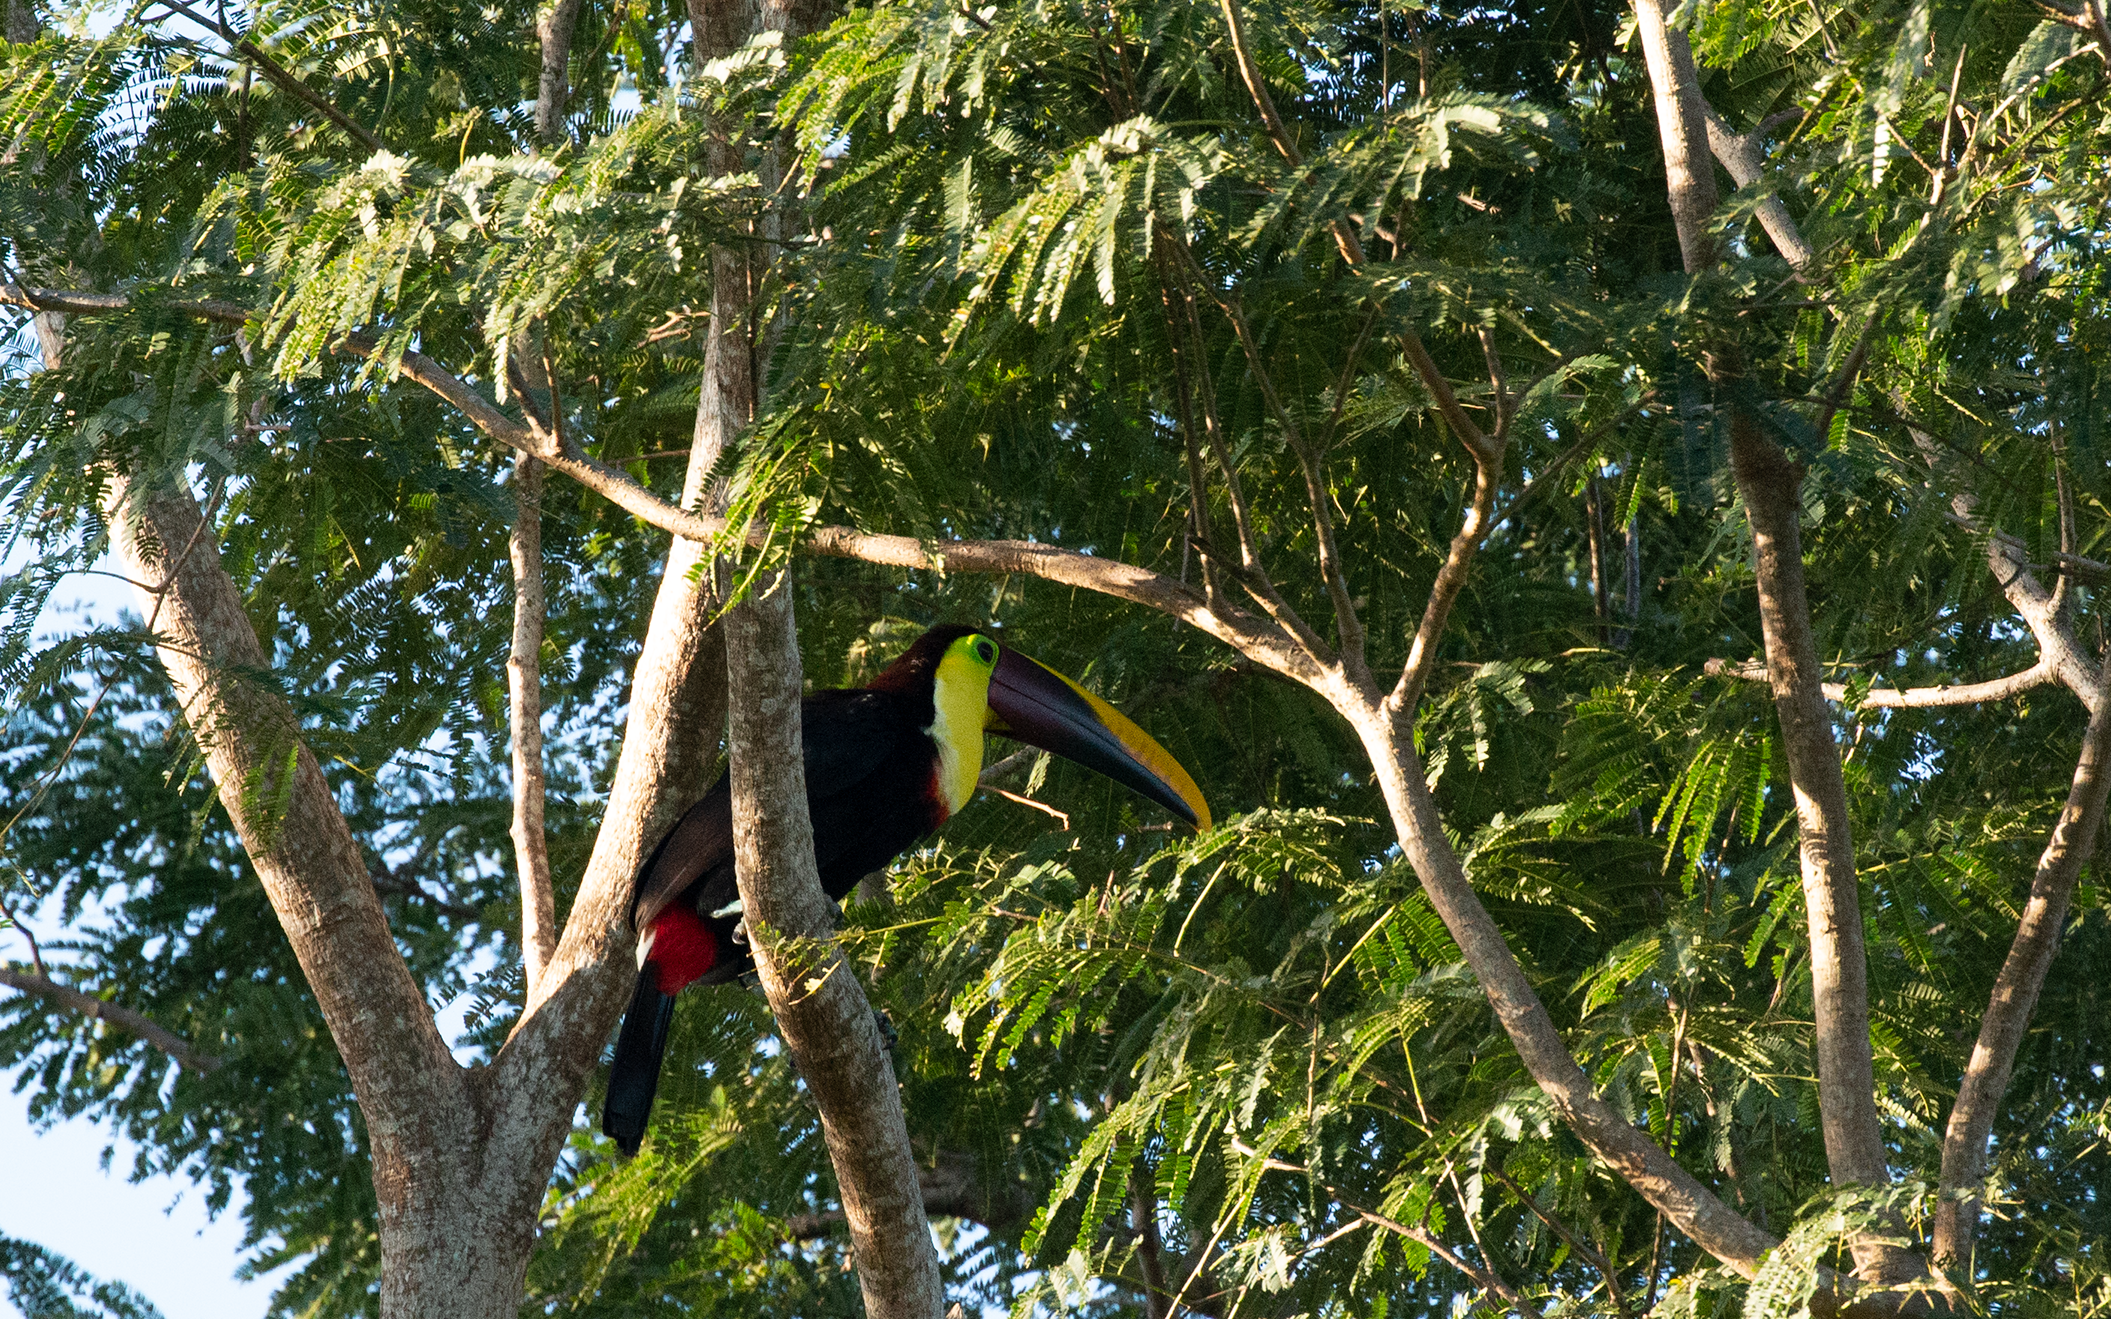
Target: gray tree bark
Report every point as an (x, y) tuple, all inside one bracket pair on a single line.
[(2015, 996), (531, 852), (1770, 485), (820, 1007), (554, 22)]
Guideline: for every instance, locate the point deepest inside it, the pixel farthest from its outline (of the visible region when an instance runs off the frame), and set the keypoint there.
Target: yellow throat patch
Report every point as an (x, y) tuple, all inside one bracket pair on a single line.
[(960, 698)]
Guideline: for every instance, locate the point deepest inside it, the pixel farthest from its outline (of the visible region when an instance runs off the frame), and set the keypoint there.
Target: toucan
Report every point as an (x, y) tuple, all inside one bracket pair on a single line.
[(886, 764)]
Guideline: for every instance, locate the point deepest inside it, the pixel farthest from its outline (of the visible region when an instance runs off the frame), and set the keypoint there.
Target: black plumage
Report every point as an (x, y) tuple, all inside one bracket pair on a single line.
[(872, 792)]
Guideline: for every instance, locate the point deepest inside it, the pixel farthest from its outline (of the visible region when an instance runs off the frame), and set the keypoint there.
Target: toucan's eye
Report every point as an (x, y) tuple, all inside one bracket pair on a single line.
[(985, 651)]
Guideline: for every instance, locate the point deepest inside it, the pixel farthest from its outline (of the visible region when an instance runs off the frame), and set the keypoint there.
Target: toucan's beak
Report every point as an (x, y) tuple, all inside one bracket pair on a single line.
[(1040, 707)]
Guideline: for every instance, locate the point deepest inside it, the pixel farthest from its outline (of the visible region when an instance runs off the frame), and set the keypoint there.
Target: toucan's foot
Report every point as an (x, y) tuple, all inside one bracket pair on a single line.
[(889, 1036)]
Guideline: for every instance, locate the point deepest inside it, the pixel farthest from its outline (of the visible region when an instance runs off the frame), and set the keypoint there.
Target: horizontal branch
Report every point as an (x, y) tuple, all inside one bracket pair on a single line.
[(403, 887), (1090, 572), (2041, 674), (952, 1188), (124, 1018), (73, 302)]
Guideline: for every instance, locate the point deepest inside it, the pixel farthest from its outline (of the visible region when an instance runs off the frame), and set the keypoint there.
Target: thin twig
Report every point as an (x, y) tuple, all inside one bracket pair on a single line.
[(1041, 806), (1347, 625), (125, 1019), (1589, 1254), (280, 76)]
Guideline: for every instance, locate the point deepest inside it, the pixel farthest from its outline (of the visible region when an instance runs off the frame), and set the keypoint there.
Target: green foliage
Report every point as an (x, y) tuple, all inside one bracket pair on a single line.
[(1263, 1036), (42, 1285)]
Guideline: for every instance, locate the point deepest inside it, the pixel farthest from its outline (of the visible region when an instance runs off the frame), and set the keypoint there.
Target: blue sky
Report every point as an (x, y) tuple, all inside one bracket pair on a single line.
[(154, 1235)]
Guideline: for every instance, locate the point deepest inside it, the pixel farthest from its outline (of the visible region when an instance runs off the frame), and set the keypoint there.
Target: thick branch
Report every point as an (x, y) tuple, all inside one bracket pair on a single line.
[(290, 826), (553, 32), (1739, 154), (952, 1187), (1627, 1152), (2009, 560), (124, 1018), (1675, 87), (2040, 674), (1854, 1147), (2015, 996), (422, 1108), (1444, 592), (1769, 484), (821, 1010), (531, 851), (1143, 1221)]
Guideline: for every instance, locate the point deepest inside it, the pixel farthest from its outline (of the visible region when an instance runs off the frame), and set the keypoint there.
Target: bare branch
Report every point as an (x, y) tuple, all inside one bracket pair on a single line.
[(124, 1018), (2009, 560), (953, 1187), (1739, 154), (1769, 484), (553, 30), (1854, 1146), (1178, 321), (1250, 74), (531, 851), (1681, 127), (1444, 593), (1498, 386), (1483, 1278), (1109, 577), (2015, 996), (1627, 1152), (2088, 18), (7, 914), (2040, 674), (404, 885), (73, 302)]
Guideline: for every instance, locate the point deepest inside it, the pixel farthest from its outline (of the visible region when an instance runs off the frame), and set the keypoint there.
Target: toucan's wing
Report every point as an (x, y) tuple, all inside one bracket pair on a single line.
[(845, 736), (848, 736), (702, 842)]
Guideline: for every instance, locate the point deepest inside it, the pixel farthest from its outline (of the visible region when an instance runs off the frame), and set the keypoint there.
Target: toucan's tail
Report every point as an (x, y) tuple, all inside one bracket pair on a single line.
[(635, 1074)]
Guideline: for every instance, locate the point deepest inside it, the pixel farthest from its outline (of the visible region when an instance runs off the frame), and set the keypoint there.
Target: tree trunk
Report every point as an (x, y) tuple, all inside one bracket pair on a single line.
[(1770, 486), (461, 1157), (821, 1008)]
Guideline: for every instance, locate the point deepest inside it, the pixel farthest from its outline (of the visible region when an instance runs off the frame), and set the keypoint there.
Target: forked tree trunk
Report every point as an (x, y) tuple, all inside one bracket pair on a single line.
[(461, 1156)]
